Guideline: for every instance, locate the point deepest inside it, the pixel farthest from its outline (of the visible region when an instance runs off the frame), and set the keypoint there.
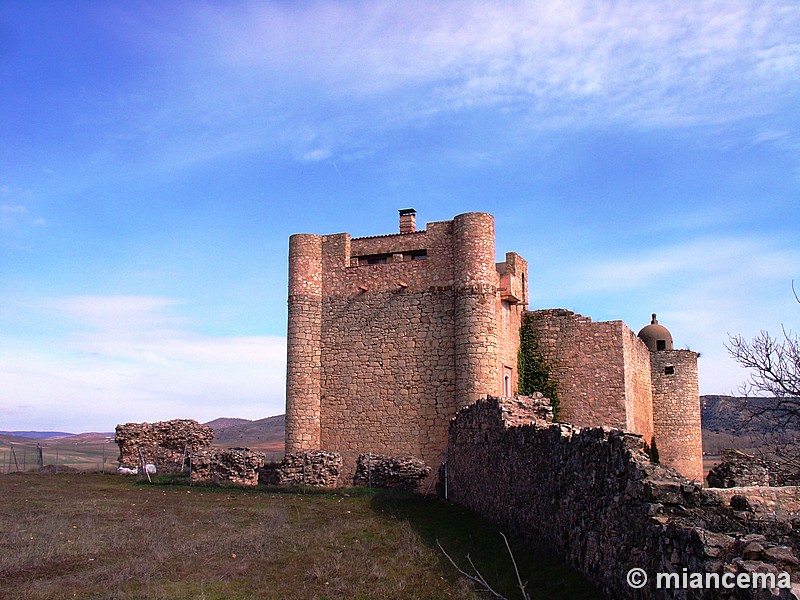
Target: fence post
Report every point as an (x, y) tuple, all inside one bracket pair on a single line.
[(14, 455)]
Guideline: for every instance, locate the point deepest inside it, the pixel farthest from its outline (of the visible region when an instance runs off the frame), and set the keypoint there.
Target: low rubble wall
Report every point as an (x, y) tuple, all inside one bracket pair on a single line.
[(400, 472), (233, 466), (764, 502), (319, 468), (592, 497)]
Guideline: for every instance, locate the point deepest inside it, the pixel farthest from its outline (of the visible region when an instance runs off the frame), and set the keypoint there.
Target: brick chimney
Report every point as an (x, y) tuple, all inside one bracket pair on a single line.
[(408, 220)]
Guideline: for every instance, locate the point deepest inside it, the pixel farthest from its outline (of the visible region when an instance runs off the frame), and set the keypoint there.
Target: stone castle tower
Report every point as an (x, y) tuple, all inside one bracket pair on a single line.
[(390, 335), (676, 413)]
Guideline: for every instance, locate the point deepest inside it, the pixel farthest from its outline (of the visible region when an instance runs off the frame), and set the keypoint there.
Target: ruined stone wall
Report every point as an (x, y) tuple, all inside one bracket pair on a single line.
[(399, 472), (763, 501), (676, 411), (738, 469), (163, 443), (592, 497), (318, 468), (382, 355)]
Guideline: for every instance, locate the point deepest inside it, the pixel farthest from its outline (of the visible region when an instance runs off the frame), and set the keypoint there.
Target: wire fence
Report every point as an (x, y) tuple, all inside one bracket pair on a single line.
[(20, 457)]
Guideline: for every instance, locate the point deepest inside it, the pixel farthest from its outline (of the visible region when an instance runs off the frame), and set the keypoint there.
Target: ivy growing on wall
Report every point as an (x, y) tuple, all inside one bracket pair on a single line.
[(534, 372)]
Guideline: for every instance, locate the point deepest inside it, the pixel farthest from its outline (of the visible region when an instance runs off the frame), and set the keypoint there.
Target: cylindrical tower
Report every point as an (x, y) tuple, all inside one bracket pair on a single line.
[(475, 283), (676, 411), (304, 339)]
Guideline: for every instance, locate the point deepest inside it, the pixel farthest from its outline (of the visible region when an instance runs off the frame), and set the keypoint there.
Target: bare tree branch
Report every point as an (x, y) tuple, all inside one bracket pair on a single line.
[(480, 580), (516, 570), (774, 365), (477, 578)]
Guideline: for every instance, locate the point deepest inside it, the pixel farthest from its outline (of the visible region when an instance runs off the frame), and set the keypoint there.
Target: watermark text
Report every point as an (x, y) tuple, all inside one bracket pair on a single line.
[(637, 578)]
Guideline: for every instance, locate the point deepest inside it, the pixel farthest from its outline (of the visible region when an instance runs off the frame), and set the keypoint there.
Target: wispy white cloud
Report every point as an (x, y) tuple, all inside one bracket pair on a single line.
[(650, 64), (711, 258), (256, 75), (138, 314), (128, 358)]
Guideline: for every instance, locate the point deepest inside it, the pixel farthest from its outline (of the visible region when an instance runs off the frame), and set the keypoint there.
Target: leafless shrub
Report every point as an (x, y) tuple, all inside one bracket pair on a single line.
[(477, 578)]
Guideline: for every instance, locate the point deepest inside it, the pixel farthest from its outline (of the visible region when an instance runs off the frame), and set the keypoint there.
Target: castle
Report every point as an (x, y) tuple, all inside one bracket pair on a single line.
[(389, 336)]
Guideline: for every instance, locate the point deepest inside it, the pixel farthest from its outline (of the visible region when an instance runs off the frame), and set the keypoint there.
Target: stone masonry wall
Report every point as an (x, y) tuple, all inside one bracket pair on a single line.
[(676, 411), (602, 370), (638, 386), (400, 472), (592, 497), (738, 469), (382, 352)]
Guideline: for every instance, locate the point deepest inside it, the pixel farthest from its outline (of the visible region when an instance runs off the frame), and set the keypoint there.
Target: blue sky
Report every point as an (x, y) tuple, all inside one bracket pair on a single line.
[(155, 157)]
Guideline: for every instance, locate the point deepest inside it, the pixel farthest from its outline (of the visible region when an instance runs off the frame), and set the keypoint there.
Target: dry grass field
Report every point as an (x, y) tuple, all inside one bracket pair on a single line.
[(105, 536)]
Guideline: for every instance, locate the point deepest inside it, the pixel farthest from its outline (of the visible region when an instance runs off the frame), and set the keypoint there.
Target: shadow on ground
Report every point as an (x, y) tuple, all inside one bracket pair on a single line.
[(463, 533)]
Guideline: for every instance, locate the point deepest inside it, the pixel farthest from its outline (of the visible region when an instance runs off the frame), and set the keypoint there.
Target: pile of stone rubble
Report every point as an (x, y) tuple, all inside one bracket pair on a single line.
[(236, 466), (403, 472), (738, 469), (319, 468)]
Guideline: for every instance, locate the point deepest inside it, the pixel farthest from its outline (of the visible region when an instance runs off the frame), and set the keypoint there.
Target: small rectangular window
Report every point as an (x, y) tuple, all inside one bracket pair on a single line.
[(669, 370), (661, 344)]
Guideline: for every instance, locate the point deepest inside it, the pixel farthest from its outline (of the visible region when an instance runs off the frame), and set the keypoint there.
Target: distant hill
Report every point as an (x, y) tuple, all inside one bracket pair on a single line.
[(727, 424), (732, 414), (266, 434), (34, 435)]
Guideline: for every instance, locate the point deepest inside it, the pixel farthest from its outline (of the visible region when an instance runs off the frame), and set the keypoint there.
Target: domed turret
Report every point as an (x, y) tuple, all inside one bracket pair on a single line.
[(655, 336)]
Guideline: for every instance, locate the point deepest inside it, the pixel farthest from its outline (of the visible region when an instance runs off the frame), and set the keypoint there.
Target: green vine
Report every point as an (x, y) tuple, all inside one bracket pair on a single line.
[(534, 372)]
